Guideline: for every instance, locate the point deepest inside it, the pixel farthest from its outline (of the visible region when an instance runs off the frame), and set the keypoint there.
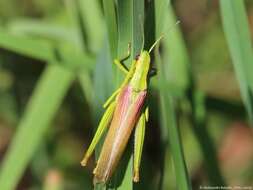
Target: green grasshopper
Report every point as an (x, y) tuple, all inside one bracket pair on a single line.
[(125, 109)]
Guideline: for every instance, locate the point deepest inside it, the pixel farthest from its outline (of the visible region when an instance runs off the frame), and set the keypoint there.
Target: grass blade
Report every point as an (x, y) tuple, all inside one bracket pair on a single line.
[(112, 29), (168, 121), (124, 17), (39, 113), (178, 71), (37, 49), (76, 19), (130, 27), (208, 150), (137, 28), (88, 22), (42, 29), (124, 13), (93, 22), (167, 106), (179, 74), (102, 87), (236, 30), (103, 78), (72, 56), (112, 37)]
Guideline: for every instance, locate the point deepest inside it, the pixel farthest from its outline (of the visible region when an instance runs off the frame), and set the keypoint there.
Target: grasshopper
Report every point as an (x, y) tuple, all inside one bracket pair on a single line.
[(125, 110)]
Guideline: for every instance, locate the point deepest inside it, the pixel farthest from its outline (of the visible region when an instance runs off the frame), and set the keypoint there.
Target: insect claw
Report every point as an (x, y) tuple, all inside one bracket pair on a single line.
[(136, 177), (95, 170), (84, 161)]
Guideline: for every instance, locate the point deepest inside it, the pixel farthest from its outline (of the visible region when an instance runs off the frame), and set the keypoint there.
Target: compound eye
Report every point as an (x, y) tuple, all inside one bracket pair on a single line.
[(152, 72)]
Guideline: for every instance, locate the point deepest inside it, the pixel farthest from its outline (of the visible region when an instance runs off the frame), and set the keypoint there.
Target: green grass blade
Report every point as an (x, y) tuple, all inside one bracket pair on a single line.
[(102, 82), (137, 28), (89, 23), (76, 19), (130, 27), (169, 124), (168, 121), (124, 13), (161, 9), (86, 85), (178, 71), (112, 29), (37, 49), (42, 29), (179, 74), (123, 175), (203, 136), (101, 93), (72, 56), (93, 22), (236, 30), (129, 30), (127, 182), (102, 87), (40, 111), (112, 33), (125, 22)]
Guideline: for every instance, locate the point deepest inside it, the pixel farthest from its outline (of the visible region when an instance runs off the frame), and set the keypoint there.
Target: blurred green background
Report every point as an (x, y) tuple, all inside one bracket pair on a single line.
[(56, 71)]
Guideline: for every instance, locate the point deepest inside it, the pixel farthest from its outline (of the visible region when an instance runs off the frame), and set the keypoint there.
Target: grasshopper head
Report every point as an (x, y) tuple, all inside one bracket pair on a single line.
[(143, 63), (139, 79)]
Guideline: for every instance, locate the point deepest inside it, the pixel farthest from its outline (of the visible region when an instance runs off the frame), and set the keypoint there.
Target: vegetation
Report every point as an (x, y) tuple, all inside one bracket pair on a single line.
[(56, 72)]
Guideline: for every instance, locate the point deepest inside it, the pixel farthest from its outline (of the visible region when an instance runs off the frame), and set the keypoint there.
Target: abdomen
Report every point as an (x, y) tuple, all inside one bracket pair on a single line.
[(126, 114)]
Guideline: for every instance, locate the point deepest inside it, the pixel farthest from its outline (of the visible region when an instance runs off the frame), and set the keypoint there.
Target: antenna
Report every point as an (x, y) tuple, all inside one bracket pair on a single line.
[(161, 37), (154, 44)]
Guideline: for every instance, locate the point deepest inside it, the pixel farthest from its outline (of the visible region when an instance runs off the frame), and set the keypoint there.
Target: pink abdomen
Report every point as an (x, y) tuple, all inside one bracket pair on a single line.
[(126, 114)]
